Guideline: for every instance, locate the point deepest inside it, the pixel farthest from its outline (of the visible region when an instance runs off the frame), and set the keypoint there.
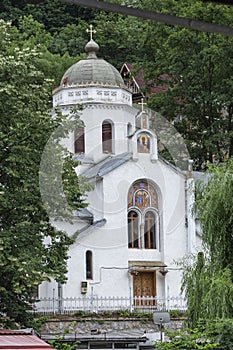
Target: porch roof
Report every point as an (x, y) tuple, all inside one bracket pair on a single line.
[(148, 265)]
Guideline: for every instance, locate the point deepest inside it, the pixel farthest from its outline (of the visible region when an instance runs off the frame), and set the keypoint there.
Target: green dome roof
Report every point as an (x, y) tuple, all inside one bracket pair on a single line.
[(92, 70)]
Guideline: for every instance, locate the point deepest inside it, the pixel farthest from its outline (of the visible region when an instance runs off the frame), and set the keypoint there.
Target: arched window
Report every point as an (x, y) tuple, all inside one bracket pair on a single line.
[(133, 230), (107, 137), (143, 143), (79, 140), (89, 267), (150, 231), (143, 212)]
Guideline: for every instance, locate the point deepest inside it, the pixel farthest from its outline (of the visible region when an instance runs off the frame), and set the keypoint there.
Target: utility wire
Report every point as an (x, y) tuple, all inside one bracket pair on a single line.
[(223, 2), (159, 17)]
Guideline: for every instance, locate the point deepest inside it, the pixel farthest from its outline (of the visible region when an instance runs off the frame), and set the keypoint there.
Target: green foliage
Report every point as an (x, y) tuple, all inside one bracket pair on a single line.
[(26, 125), (81, 313), (196, 69), (101, 322), (70, 39), (124, 313), (188, 339), (60, 342), (214, 203), (37, 323), (209, 292), (52, 13), (119, 38), (33, 33), (223, 331), (207, 334), (208, 282), (144, 315), (175, 313)]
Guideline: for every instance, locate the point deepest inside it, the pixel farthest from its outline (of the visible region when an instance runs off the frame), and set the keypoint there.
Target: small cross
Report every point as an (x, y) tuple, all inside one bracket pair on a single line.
[(142, 103), (91, 31)]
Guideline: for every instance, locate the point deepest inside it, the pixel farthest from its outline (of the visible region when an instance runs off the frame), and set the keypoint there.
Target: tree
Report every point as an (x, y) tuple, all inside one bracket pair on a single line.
[(208, 291), (214, 205), (207, 281), (196, 69), (32, 250), (31, 34), (70, 39), (54, 14), (207, 335), (121, 35)]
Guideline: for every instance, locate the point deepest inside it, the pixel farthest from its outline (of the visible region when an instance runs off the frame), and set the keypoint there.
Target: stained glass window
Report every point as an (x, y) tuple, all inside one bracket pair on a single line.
[(143, 212)]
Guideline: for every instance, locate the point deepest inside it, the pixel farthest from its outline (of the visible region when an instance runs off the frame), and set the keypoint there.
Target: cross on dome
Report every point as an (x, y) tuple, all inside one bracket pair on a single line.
[(142, 103), (91, 47), (91, 31)]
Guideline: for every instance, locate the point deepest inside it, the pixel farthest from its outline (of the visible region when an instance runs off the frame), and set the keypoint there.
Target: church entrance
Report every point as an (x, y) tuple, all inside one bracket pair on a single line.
[(144, 289)]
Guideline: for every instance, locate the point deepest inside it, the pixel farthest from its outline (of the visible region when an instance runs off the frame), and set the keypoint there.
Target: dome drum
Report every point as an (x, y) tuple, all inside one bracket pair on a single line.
[(76, 95)]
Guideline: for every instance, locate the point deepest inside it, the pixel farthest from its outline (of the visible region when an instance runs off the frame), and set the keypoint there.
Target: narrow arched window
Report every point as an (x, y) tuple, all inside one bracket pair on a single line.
[(89, 267), (150, 231), (79, 140), (133, 230), (107, 137)]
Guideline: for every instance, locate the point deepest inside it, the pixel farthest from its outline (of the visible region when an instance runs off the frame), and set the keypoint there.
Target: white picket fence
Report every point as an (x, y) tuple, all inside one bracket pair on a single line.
[(97, 304)]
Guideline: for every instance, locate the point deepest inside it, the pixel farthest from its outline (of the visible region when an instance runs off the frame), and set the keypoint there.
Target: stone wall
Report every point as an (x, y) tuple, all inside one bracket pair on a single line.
[(76, 325)]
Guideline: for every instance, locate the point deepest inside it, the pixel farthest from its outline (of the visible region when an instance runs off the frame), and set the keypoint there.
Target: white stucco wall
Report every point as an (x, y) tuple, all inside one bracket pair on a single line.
[(109, 243), (93, 117)]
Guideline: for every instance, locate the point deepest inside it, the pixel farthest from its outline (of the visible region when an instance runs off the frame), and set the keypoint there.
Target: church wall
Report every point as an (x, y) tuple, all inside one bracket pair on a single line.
[(109, 243), (173, 232), (95, 200), (110, 270), (93, 117)]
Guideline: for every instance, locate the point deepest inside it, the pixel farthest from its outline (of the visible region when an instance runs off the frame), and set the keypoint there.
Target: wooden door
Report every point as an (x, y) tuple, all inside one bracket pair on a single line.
[(144, 288)]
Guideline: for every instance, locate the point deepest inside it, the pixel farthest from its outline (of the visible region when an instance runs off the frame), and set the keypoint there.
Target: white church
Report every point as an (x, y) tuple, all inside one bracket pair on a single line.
[(138, 222)]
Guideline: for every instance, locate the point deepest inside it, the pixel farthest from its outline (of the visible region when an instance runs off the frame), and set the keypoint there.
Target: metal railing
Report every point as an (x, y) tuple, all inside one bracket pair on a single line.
[(96, 304)]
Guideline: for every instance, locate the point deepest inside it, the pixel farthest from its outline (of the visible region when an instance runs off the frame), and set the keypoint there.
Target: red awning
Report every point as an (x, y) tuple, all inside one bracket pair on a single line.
[(10, 340)]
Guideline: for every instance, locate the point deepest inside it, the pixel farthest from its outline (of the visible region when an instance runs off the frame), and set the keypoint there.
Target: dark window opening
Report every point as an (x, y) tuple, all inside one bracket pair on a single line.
[(79, 140), (89, 265), (133, 230), (149, 231), (107, 137)]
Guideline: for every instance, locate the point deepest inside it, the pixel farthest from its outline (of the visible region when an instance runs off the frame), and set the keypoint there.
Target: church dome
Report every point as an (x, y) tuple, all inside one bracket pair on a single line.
[(92, 70)]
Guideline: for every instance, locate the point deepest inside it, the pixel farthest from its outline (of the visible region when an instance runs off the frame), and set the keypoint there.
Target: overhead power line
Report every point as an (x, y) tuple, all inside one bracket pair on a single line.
[(224, 2), (146, 14)]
